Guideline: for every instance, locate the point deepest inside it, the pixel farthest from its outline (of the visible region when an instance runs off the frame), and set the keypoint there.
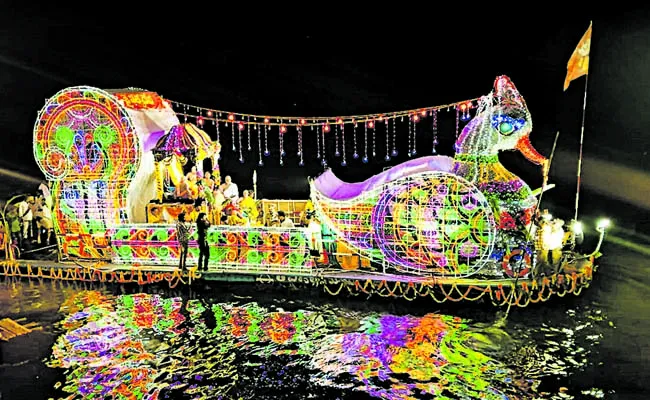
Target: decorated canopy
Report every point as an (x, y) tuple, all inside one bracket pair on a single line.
[(186, 139)]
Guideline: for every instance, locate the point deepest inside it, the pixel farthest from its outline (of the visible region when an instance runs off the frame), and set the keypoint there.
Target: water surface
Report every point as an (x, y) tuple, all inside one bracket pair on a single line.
[(237, 341)]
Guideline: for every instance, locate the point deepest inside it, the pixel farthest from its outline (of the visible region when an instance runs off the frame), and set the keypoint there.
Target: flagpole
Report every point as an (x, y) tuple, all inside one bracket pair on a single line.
[(582, 135)]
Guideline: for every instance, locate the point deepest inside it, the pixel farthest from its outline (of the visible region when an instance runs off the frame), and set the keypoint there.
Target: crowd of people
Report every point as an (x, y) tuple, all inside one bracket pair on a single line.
[(216, 203), (222, 203), (29, 220)]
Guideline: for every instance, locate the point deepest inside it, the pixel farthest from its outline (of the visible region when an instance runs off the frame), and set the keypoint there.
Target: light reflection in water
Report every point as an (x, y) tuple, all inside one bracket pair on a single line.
[(151, 347)]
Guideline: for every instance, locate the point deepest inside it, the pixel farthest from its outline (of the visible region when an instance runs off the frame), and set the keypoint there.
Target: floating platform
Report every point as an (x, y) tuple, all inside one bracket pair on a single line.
[(500, 292)]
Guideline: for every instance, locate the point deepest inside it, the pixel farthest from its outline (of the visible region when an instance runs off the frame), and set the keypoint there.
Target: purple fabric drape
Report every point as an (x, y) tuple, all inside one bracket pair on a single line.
[(334, 188)]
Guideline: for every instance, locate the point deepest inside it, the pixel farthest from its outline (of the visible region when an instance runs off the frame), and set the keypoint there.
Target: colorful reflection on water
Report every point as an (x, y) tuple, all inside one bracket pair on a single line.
[(145, 346)]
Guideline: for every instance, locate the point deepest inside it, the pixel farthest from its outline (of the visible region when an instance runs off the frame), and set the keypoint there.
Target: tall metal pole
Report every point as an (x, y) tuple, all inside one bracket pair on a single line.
[(582, 135)]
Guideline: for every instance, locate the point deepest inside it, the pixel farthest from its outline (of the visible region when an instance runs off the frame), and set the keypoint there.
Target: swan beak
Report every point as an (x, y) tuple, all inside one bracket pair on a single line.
[(526, 148)]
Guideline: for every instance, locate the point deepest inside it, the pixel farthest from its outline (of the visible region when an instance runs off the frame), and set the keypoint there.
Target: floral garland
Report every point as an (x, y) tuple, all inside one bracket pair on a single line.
[(510, 191)]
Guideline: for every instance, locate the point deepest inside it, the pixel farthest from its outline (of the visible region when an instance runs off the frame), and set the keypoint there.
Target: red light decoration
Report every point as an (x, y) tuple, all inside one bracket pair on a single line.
[(283, 129), (416, 118), (231, 117), (339, 121), (267, 120), (303, 121), (326, 128), (240, 126), (371, 124), (423, 113), (209, 113), (527, 150)]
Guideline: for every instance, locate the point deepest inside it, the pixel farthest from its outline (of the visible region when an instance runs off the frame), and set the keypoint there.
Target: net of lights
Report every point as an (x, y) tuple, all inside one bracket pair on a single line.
[(240, 125)]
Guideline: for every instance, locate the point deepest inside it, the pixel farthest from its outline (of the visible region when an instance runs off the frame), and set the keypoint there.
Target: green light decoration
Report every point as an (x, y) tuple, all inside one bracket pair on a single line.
[(64, 138), (105, 136), (230, 246), (86, 146)]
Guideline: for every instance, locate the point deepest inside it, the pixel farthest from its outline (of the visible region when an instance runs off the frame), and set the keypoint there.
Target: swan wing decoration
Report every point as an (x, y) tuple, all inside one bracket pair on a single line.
[(415, 217)]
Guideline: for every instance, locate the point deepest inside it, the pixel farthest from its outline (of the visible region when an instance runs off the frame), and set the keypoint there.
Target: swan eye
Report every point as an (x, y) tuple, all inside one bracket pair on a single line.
[(506, 128), (506, 125)]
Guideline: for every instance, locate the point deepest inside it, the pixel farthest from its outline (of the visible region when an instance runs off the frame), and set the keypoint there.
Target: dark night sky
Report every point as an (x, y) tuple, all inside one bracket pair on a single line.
[(280, 69)]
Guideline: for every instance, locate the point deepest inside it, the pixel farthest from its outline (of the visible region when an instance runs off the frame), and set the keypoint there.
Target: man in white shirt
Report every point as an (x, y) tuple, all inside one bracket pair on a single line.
[(284, 221), (44, 188), (231, 190), (25, 215)]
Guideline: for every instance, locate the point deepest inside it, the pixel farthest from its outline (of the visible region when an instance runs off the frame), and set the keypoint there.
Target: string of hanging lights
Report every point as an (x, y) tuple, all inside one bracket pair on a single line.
[(241, 124), (203, 114)]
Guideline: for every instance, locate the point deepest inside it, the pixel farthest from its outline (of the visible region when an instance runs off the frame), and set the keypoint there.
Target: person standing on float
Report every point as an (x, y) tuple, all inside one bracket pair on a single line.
[(183, 237), (202, 225)]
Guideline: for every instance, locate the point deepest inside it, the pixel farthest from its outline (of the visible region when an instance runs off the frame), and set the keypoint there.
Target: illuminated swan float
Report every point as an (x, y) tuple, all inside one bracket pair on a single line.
[(455, 217)]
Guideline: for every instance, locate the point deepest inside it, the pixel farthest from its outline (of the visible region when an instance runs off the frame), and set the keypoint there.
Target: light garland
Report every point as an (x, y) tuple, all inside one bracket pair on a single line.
[(323, 126), (207, 114)]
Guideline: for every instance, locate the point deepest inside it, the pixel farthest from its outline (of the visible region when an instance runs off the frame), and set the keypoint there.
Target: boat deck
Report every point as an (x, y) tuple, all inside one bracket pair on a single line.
[(46, 268), (519, 292)]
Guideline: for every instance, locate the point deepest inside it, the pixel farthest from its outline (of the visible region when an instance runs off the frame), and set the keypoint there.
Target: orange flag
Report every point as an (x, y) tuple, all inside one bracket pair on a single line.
[(579, 62)]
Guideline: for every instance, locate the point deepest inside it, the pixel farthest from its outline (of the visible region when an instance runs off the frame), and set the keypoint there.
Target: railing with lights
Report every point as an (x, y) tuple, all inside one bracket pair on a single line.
[(601, 228)]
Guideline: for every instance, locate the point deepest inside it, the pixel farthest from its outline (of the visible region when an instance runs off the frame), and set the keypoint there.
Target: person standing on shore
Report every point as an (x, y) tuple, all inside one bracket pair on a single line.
[(183, 237), (202, 225)]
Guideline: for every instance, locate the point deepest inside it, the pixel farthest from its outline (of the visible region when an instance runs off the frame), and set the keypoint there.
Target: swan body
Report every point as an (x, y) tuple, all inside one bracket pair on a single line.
[(440, 215)]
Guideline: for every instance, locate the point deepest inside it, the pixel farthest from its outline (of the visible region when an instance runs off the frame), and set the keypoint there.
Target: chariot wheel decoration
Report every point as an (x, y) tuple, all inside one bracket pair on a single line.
[(435, 222)]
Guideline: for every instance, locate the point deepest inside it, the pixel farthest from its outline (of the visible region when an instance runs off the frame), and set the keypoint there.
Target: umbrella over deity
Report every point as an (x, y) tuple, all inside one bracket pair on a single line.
[(183, 143)]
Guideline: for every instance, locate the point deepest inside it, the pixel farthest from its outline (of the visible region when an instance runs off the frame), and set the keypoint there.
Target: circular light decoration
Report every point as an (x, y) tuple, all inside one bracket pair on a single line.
[(435, 222), (85, 142), (84, 133)]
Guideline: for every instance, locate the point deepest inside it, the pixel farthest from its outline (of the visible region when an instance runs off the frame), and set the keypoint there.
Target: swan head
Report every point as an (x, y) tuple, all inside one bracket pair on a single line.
[(502, 122)]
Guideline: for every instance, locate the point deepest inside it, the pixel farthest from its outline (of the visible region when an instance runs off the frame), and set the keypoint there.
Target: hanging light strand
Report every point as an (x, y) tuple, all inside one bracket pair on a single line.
[(355, 155), (232, 134), (281, 131), (365, 142), (394, 152), (322, 136), (260, 160), (434, 130), (343, 162), (374, 142), (337, 132), (301, 162), (241, 151), (217, 124), (387, 131), (410, 153), (416, 118), (266, 141), (248, 132), (317, 143)]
